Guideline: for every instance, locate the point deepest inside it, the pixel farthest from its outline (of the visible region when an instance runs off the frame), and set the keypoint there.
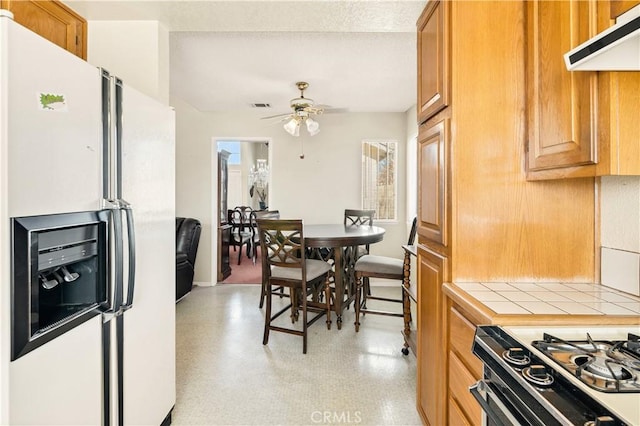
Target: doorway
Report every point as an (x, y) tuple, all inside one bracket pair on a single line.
[(246, 154)]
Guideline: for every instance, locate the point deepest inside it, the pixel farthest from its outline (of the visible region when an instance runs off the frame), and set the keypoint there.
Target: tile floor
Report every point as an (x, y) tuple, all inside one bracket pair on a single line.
[(225, 376)]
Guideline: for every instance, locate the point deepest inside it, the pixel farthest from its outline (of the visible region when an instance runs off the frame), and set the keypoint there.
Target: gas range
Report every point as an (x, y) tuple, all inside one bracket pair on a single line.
[(559, 375)]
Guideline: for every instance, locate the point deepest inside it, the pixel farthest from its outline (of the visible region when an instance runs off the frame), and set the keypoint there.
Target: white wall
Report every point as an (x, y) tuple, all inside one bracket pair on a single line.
[(135, 51), (194, 193), (411, 174), (620, 233), (317, 188)]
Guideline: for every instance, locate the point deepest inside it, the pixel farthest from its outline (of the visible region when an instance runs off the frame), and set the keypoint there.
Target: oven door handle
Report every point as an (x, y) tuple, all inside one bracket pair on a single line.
[(480, 391)]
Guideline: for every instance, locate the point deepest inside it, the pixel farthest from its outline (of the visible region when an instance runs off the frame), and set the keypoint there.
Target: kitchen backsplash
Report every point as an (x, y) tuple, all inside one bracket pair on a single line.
[(620, 233)]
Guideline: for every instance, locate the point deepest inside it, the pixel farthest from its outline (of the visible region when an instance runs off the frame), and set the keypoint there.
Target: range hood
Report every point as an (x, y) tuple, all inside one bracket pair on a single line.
[(615, 49)]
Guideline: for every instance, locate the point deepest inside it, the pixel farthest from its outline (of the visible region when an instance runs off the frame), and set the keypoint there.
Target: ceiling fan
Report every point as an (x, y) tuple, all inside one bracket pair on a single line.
[(302, 111)]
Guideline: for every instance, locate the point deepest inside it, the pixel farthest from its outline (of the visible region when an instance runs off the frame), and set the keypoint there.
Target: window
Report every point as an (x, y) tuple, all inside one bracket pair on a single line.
[(234, 148), (379, 189)]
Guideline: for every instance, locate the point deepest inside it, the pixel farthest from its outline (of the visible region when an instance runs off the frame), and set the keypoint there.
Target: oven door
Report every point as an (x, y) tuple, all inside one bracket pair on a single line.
[(497, 412)]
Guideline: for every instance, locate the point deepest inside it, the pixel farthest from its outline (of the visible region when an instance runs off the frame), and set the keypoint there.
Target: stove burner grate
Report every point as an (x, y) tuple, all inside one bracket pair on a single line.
[(605, 368), (603, 365)]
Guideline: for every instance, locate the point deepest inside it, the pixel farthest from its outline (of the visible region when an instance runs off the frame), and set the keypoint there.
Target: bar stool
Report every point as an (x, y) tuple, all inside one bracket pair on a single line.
[(370, 266)]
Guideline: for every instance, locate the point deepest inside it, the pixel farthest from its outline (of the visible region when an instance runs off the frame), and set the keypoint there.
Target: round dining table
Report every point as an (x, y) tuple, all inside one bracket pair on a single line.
[(343, 240)]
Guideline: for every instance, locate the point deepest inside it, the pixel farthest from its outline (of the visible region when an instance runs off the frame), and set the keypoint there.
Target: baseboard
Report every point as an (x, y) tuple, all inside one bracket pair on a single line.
[(203, 284)]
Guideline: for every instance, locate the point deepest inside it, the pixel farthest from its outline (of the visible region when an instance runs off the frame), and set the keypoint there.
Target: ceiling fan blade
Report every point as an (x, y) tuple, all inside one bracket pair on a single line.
[(276, 116), (335, 110)]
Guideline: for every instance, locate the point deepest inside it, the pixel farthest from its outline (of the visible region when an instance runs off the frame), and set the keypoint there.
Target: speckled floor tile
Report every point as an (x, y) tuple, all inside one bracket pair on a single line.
[(225, 376)]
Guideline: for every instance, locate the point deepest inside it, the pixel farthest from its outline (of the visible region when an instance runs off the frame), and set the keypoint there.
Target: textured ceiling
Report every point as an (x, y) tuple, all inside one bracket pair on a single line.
[(226, 55)]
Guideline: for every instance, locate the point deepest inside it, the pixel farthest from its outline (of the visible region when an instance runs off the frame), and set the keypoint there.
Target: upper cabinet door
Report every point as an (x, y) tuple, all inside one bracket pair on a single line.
[(561, 105), (433, 59), (52, 20), (433, 146)]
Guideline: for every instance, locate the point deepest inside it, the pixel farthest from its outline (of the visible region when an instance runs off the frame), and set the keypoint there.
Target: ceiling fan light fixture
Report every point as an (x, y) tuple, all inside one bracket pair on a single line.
[(292, 127), (313, 127)]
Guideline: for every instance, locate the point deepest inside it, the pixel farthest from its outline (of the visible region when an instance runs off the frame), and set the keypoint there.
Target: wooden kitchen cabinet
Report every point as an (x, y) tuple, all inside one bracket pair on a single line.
[(52, 20), (433, 59), (620, 155), (433, 154), (431, 388), (561, 105), (479, 218), (464, 367), (581, 123)]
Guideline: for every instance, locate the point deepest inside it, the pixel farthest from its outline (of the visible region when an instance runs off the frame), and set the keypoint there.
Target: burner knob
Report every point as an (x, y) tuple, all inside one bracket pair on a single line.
[(601, 421), (538, 371), (517, 356), (517, 353), (537, 374)]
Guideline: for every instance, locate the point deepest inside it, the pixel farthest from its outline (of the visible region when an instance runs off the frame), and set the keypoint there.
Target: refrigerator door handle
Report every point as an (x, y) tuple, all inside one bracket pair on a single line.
[(105, 80), (118, 136), (109, 307), (116, 268), (131, 236)]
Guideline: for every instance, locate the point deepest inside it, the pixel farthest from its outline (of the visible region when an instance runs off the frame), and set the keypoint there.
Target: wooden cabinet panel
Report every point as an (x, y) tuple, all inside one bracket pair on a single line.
[(433, 59), (561, 105), (618, 7), (461, 333), (431, 388), (456, 417), (433, 154), (224, 237), (52, 20), (459, 381), (621, 127), (464, 367)]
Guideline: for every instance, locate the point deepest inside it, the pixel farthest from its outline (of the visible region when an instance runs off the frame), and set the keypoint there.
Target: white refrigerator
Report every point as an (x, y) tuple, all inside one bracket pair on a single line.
[(75, 139)]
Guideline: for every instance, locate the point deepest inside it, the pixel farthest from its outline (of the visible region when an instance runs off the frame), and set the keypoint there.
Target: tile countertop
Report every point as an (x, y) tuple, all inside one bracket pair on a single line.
[(545, 303)]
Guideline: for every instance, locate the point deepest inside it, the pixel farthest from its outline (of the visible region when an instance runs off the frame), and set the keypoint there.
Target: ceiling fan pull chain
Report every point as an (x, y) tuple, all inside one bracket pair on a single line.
[(302, 148)]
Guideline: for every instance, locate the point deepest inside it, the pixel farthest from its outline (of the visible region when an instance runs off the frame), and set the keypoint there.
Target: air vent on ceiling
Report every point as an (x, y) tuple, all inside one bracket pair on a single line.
[(261, 105)]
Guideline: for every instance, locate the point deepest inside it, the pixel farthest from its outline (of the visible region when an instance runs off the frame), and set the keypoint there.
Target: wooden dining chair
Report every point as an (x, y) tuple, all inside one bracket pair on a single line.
[(370, 266), (241, 233), (283, 248), (264, 214), (267, 214), (358, 217), (355, 217), (255, 241)]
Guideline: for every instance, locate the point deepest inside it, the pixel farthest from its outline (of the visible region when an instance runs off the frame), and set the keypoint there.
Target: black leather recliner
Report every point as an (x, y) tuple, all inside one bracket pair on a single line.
[(187, 239)]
